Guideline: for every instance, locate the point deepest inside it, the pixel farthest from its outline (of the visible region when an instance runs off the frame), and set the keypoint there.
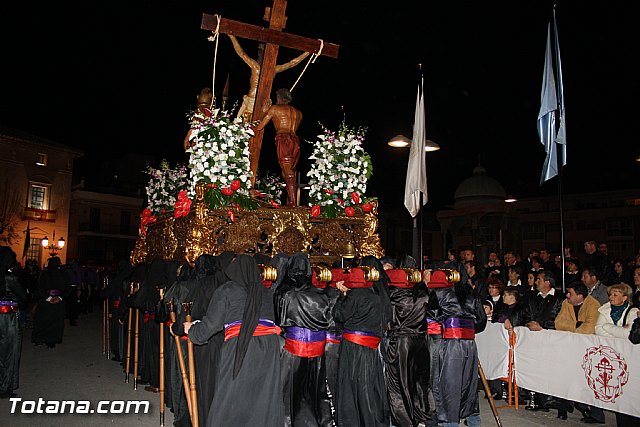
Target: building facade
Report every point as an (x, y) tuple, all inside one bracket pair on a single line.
[(35, 192)]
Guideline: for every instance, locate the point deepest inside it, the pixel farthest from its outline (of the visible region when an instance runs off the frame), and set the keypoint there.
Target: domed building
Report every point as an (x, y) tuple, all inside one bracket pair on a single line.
[(479, 215)]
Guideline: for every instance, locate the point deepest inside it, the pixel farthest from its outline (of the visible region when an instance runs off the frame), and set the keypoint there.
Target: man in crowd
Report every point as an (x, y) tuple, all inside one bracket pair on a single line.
[(596, 289), (541, 314), (579, 312), (598, 261)]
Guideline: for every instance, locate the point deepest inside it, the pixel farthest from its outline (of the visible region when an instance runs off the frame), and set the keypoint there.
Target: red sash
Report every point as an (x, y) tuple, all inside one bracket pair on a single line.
[(366, 339), (263, 328)]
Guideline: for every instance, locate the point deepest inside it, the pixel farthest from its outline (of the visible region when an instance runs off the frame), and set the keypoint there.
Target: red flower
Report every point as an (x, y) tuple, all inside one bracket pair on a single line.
[(326, 190), (146, 212), (231, 215), (340, 202), (367, 207), (315, 211), (235, 185), (349, 211), (226, 191), (274, 204), (355, 197), (182, 195), (211, 186)]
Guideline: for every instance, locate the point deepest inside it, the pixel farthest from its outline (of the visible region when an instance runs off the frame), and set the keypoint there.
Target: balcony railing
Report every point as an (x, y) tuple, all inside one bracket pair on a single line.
[(34, 214)]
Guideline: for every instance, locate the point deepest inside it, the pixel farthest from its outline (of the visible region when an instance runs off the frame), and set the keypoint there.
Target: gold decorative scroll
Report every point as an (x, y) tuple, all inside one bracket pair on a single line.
[(266, 230)]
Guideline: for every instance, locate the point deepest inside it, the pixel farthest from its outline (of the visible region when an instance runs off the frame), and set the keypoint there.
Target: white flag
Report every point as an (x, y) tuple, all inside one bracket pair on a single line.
[(416, 170), (547, 117), (561, 137)]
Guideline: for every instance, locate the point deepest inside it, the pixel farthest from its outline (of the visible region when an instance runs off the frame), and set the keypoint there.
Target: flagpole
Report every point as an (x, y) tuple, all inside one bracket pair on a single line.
[(562, 153), (421, 83)]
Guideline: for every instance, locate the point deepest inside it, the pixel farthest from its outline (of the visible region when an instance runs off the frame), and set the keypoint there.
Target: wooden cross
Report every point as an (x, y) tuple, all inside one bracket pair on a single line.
[(274, 38)]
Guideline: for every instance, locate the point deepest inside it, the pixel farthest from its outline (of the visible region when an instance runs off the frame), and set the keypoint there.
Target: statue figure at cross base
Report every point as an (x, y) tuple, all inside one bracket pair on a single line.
[(286, 120)]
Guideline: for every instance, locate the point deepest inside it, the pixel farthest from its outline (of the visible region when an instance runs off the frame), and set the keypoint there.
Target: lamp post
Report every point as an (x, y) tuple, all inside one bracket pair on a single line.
[(54, 247), (401, 141)]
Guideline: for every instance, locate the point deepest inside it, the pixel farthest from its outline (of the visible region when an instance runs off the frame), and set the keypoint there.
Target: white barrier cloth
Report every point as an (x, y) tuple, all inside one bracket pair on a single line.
[(598, 371), (493, 350)]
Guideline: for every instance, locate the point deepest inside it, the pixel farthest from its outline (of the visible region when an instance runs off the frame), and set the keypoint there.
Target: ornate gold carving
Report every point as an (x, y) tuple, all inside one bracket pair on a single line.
[(139, 253), (287, 230), (371, 241), (290, 231)]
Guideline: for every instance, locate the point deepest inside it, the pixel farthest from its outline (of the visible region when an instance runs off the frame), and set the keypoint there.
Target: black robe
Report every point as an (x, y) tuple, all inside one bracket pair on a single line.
[(332, 348), (114, 293), (177, 294), (254, 397), (146, 300), (304, 308), (11, 295), (210, 276), (48, 322), (406, 357), (361, 396), (455, 385)]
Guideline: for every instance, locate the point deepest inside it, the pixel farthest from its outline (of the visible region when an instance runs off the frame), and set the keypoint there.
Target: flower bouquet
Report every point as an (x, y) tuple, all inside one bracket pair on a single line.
[(164, 185), (219, 159), (339, 173)]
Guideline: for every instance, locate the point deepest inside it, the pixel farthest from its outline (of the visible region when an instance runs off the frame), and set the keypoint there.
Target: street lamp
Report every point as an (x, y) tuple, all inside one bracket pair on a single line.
[(401, 141), (54, 247)]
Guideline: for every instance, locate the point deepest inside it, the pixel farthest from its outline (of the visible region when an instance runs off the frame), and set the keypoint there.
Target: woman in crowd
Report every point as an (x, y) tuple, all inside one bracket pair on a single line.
[(617, 315)]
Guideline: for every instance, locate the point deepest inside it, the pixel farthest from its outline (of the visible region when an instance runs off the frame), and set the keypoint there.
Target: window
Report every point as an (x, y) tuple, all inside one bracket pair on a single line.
[(41, 160), (38, 197), (35, 248), (125, 222), (533, 232), (620, 227), (94, 219)]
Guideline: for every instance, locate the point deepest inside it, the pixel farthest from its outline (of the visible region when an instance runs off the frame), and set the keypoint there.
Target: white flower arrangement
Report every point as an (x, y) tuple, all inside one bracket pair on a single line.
[(339, 173), (270, 186), (164, 185), (219, 152)]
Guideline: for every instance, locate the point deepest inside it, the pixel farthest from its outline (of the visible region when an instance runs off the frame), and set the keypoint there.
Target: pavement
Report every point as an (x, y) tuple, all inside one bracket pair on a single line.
[(77, 370)]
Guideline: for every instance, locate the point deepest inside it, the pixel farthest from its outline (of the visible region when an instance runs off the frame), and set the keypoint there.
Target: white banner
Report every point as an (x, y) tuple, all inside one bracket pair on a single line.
[(598, 371), (493, 351)]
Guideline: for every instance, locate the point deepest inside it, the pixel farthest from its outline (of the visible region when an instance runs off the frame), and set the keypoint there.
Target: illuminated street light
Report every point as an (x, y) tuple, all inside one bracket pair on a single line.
[(54, 247)]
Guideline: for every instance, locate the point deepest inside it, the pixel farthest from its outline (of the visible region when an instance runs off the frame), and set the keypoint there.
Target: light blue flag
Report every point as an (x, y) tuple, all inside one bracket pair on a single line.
[(547, 117), (561, 137)]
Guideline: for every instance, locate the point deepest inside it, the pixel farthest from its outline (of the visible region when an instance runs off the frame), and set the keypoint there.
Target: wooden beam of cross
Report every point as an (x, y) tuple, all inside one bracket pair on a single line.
[(274, 38)]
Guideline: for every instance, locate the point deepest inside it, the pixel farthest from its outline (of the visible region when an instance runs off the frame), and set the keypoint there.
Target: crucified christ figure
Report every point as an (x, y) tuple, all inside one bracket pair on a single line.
[(246, 109)]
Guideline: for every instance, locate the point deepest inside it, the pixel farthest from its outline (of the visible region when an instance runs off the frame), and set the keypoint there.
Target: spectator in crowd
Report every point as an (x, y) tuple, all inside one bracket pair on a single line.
[(572, 275), (536, 264), (477, 283), (621, 274), (548, 263), (454, 263), (598, 261), (579, 312), (617, 315), (542, 311), (514, 313), (596, 289), (495, 287), (636, 283), (493, 267), (602, 247)]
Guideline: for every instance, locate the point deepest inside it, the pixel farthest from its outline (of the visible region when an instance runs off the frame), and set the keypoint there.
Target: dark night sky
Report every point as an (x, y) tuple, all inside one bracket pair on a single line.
[(109, 76)]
